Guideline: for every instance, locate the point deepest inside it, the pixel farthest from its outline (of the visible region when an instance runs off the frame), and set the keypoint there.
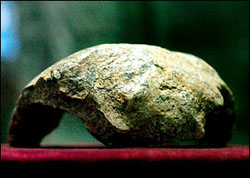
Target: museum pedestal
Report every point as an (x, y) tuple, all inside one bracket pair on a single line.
[(94, 155)]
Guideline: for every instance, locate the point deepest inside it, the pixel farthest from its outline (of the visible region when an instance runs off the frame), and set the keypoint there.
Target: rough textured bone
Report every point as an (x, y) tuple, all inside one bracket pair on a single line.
[(127, 95)]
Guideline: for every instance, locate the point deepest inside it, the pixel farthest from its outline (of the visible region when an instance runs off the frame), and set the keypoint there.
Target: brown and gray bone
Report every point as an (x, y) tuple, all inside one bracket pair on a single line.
[(127, 95)]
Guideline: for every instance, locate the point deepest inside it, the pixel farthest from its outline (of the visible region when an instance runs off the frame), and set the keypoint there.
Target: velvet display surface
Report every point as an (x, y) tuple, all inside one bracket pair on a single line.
[(98, 155)]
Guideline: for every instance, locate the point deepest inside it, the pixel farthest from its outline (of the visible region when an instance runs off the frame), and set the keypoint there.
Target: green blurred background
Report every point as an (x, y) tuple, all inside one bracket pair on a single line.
[(218, 32)]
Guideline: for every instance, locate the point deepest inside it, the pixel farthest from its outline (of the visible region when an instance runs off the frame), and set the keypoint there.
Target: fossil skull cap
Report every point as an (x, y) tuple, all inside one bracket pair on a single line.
[(127, 95)]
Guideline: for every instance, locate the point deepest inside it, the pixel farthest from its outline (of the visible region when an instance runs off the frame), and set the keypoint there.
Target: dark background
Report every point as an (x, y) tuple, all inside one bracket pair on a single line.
[(218, 32)]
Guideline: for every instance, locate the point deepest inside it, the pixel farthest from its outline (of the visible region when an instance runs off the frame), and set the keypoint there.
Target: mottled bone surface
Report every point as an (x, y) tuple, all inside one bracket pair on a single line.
[(127, 95)]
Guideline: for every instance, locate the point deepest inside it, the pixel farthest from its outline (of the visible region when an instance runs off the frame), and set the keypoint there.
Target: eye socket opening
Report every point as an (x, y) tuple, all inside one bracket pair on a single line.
[(37, 124)]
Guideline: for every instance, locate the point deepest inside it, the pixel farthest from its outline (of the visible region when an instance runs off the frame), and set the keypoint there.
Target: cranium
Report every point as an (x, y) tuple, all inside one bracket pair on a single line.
[(127, 95)]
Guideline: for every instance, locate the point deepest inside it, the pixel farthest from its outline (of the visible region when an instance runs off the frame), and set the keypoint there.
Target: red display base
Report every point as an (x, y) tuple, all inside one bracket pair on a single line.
[(87, 155)]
